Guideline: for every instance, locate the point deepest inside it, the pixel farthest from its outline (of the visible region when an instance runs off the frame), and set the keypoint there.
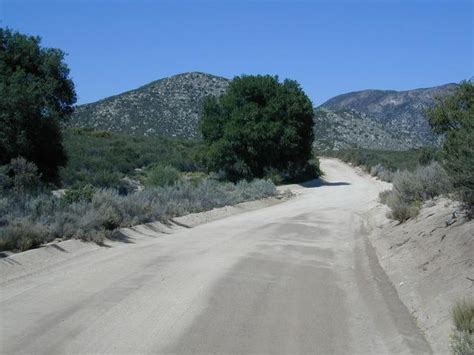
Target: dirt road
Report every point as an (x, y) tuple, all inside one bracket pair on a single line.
[(297, 277)]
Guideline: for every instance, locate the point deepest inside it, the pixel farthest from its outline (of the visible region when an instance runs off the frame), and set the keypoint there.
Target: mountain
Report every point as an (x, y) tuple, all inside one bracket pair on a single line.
[(376, 119), (400, 114), (346, 129), (170, 107)]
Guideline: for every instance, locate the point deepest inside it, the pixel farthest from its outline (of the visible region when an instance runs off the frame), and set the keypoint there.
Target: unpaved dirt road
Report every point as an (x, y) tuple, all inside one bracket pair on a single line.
[(297, 277)]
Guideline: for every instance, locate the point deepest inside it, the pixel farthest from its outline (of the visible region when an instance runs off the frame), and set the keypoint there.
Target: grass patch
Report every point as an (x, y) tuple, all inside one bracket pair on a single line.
[(462, 339)]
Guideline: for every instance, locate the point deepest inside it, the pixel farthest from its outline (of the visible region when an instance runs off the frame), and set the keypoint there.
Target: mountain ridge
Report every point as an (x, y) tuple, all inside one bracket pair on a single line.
[(172, 106), (169, 106), (402, 113)]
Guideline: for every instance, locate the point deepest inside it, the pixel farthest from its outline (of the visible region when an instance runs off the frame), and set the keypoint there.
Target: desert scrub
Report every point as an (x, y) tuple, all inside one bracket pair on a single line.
[(96, 214), (385, 163), (161, 175), (23, 234), (84, 193), (390, 160), (410, 189), (381, 172), (102, 159), (462, 339)]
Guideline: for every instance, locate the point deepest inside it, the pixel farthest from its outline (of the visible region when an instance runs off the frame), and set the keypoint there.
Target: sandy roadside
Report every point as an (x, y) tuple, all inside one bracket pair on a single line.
[(191, 284), (428, 262), (17, 265)]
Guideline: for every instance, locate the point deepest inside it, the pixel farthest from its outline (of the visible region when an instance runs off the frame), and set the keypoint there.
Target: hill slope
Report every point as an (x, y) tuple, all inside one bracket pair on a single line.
[(347, 129), (170, 107), (400, 114), (374, 119)]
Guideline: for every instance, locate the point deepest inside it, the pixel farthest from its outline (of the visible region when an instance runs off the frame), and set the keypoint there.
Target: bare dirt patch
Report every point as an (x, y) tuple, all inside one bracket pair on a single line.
[(430, 261)]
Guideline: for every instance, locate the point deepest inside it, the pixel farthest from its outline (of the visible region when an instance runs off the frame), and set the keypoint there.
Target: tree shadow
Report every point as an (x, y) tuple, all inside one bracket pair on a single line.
[(321, 182), (5, 257), (119, 236), (58, 248)]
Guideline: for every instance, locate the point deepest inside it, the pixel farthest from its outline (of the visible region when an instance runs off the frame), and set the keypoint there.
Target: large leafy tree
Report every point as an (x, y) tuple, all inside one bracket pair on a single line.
[(453, 116), (259, 126), (36, 96)]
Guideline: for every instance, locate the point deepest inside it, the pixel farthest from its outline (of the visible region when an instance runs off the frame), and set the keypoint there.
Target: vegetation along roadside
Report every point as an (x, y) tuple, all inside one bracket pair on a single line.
[(83, 183)]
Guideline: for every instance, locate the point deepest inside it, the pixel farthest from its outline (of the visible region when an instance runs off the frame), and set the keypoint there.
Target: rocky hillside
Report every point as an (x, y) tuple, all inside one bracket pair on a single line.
[(170, 107), (347, 129), (376, 119), (400, 114)]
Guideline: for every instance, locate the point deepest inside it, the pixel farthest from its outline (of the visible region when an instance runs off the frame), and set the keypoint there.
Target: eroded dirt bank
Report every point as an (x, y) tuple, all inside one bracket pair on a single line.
[(429, 261)]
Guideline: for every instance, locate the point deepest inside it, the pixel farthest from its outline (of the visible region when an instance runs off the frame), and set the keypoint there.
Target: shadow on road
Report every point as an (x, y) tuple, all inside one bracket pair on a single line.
[(322, 182)]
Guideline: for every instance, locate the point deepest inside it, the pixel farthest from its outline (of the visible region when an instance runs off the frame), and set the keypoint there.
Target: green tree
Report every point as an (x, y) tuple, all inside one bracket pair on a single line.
[(453, 116), (36, 96), (258, 127)]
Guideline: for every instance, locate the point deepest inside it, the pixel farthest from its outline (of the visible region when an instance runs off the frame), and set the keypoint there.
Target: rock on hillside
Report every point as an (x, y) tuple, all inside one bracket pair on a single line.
[(170, 107), (401, 113)]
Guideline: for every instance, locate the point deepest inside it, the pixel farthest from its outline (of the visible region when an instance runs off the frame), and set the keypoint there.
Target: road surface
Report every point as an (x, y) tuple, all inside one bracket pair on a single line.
[(297, 277)]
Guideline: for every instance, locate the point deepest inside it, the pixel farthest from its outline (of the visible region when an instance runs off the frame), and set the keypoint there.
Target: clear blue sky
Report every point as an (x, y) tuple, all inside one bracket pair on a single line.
[(330, 47)]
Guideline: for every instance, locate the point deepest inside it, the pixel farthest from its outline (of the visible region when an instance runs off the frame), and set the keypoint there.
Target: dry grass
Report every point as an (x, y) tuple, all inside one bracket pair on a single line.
[(462, 339)]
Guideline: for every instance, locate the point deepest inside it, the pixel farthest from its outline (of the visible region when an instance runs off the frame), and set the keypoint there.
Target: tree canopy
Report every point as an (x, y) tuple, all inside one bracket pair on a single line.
[(453, 116), (36, 96), (259, 127)]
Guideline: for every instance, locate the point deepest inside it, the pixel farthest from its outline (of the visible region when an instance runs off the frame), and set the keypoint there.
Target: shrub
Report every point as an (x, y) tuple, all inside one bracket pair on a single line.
[(381, 172), (103, 160), (384, 195), (84, 193), (433, 179), (402, 210), (25, 176), (159, 175), (427, 155), (274, 176), (463, 315), (386, 175), (391, 160), (462, 339), (407, 187), (28, 222), (101, 134), (462, 343), (410, 189), (424, 183), (23, 234), (194, 177), (374, 171), (256, 189)]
